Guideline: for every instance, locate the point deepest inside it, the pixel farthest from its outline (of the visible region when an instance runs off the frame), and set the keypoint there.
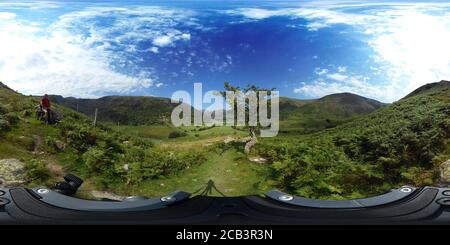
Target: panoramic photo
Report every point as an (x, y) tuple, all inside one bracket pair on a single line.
[(302, 101)]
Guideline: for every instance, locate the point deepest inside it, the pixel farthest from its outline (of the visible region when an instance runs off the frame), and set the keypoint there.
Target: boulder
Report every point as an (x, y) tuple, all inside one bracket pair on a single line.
[(104, 195), (12, 172), (60, 145), (445, 172)]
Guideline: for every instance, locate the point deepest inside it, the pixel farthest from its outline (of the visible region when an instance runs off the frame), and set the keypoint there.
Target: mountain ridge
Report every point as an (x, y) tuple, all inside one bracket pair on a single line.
[(430, 88)]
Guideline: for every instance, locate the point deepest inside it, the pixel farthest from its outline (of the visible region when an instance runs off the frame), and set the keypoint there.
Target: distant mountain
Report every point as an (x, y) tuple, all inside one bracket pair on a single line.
[(299, 114), (135, 110), (326, 112), (431, 88)]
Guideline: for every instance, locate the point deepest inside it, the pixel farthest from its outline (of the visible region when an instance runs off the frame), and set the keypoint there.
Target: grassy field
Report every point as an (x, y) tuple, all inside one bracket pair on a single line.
[(231, 173)]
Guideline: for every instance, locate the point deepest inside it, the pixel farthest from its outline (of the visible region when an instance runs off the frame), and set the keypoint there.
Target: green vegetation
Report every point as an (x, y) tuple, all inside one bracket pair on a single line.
[(36, 171), (302, 117), (231, 172), (340, 146), (99, 152), (126, 110), (399, 144)]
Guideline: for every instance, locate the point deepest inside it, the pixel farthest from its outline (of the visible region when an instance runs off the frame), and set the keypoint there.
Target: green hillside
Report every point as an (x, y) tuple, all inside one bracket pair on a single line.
[(99, 154), (430, 88), (302, 116), (366, 152), (131, 110), (402, 143), (306, 116)]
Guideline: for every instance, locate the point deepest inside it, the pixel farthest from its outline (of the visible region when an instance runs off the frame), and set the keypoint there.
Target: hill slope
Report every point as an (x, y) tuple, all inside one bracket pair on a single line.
[(134, 110), (401, 143), (303, 115), (97, 154), (326, 112), (430, 88)]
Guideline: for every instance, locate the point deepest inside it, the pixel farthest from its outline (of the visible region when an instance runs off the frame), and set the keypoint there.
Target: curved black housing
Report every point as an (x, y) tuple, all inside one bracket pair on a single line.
[(407, 205), (69, 186)]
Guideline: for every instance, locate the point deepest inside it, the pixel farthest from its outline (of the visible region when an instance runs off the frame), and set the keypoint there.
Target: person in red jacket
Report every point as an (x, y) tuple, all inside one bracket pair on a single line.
[(45, 106), (45, 102)]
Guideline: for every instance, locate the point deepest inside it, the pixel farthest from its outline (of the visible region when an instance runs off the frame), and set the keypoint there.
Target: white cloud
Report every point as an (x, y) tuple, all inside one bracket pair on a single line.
[(337, 76), (342, 69), (170, 38), (320, 71), (154, 50), (410, 40), (356, 85), (7, 15), (31, 5), (256, 13), (74, 56)]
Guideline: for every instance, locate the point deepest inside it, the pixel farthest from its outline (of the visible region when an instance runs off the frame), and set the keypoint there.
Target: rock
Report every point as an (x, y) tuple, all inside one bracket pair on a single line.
[(60, 145), (228, 139), (26, 113), (12, 172), (445, 172), (257, 159), (55, 169), (101, 195)]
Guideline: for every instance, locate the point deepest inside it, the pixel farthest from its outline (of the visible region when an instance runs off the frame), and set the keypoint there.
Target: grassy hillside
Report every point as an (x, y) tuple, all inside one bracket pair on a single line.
[(131, 110), (402, 143), (99, 154), (363, 153), (124, 159), (430, 88), (296, 115), (327, 112)]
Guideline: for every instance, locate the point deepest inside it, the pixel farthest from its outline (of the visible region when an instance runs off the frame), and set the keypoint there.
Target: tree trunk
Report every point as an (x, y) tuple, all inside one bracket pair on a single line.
[(251, 143)]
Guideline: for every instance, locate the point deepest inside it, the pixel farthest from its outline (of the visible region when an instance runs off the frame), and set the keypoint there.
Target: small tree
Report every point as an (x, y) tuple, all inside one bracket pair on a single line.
[(246, 110)]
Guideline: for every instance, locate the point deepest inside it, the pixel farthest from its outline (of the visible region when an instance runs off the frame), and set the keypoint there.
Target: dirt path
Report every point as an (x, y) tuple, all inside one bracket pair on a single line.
[(37, 145), (193, 143)]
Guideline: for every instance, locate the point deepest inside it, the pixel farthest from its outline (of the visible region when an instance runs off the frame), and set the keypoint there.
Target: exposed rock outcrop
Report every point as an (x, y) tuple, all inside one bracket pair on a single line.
[(102, 195), (445, 173), (12, 172)]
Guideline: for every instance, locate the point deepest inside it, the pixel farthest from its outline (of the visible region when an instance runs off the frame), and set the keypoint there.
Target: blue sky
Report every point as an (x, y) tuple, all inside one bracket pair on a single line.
[(306, 49)]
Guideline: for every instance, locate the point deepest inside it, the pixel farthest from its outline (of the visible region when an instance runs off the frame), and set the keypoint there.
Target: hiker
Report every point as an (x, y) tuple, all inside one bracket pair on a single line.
[(45, 107)]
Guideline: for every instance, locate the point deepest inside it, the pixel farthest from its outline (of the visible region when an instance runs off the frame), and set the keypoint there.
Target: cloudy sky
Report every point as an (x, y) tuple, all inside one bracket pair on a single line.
[(306, 49)]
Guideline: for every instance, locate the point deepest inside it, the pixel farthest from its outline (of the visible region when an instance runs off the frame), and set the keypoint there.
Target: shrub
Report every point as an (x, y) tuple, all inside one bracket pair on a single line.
[(156, 163), (50, 145), (176, 134), (4, 125), (36, 170), (97, 159), (11, 117)]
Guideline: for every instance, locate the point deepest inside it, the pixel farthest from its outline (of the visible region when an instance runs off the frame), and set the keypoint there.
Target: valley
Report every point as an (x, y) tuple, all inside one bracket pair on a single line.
[(336, 147)]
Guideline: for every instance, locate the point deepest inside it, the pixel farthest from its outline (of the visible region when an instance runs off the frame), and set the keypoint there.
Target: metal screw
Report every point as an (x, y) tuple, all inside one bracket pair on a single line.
[(168, 199), (42, 191), (285, 198), (406, 189)]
